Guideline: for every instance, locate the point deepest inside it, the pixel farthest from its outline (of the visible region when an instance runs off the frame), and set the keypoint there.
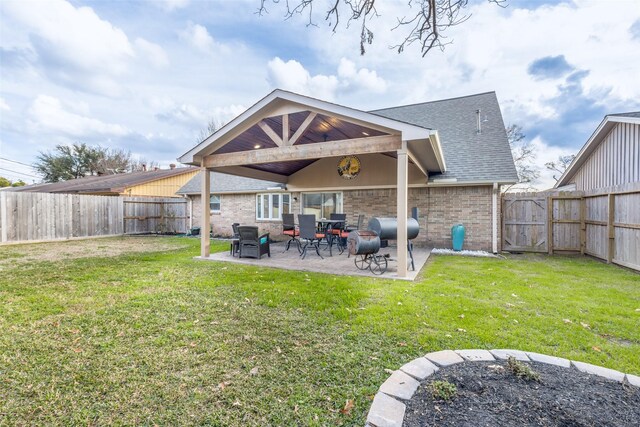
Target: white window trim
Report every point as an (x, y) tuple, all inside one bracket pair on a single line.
[(340, 208), (215, 210), (270, 205)]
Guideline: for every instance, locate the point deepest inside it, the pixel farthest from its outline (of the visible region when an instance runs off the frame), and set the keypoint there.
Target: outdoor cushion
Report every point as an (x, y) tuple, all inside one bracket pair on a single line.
[(319, 235), (291, 232)]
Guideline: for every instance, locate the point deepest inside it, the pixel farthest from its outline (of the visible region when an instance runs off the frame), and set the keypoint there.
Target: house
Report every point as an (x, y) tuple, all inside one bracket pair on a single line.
[(610, 158), (448, 158), (152, 183), (233, 201)]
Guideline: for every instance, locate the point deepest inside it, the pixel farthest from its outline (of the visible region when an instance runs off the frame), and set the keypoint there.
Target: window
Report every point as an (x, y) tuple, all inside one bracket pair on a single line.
[(271, 206), (214, 203), (322, 205)]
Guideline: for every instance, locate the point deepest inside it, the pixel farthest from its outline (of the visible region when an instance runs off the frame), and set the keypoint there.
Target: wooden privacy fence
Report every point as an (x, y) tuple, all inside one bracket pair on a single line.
[(605, 225), (44, 216)]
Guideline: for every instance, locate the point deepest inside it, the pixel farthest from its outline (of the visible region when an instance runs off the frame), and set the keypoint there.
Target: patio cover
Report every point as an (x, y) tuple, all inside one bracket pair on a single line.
[(285, 132)]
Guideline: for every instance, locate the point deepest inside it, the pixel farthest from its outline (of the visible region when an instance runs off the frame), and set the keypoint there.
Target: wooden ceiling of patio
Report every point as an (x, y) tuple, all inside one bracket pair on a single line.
[(321, 129)]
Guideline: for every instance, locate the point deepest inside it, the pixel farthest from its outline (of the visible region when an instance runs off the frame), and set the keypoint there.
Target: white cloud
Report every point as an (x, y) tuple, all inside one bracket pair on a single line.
[(492, 50), (198, 36), (292, 75), (49, 114), (152, 52), (194, 117), (171, 5), (3, 105), (73, 46), (360, 79)]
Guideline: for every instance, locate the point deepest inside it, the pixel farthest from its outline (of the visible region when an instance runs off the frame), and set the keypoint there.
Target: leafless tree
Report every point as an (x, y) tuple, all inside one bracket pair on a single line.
[(213, 125), (524, 154), (425, 22), (560, 165)]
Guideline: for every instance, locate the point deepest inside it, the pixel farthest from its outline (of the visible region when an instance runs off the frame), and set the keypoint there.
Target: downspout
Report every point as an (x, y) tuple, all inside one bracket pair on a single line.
[(495, 218)]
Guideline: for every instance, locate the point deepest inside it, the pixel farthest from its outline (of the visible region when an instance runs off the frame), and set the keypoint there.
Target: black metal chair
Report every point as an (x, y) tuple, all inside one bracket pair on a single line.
[(235, 240), (309, 234), (356, 227), (337, 228), (289, 229), (253, 245)]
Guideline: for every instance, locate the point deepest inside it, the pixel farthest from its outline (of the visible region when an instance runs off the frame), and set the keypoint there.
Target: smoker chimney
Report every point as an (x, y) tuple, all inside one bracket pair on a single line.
[(144, 167), (172, 166)]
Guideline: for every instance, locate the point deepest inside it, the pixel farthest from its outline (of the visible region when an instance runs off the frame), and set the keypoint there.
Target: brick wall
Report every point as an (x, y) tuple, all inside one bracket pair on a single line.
[(440, 209)]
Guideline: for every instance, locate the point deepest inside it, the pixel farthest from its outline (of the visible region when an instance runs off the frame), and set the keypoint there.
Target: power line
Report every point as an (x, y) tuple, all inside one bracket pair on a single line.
[(21, 173), (15, 161)]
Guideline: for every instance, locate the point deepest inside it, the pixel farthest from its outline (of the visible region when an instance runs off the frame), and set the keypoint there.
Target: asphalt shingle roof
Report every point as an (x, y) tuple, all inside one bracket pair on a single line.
[(224, 183), (104, 183), (629, 114), (469, 155)]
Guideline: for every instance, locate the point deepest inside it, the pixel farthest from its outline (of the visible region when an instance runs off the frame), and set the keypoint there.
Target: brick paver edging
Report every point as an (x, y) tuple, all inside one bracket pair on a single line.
[(388, 407)]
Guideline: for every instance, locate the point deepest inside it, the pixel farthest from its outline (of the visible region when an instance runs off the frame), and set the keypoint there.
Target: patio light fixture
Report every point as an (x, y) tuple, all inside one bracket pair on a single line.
[(257, 146)]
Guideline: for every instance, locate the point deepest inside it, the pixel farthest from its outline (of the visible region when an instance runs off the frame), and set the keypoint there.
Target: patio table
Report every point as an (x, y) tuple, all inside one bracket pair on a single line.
[(326, 225)]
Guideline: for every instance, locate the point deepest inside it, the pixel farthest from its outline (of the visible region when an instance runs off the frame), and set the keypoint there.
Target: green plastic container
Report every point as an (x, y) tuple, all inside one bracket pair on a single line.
[(457, 236)]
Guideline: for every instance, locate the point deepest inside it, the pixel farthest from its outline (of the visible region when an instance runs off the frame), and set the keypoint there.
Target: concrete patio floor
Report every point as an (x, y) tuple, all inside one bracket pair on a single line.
[(336, 264)]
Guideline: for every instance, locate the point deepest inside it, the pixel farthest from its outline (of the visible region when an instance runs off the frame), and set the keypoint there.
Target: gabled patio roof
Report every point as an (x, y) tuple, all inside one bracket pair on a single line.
[(285, 132)]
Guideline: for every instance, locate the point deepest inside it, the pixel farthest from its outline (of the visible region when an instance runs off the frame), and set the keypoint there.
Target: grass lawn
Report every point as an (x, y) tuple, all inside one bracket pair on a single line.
[(158, 338)]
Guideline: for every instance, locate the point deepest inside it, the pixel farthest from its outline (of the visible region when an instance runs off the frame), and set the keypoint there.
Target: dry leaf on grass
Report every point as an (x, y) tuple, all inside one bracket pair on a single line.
[(348, 406), (254, 371), (596, 348), (224, 385), (585, 325), (567, 321)]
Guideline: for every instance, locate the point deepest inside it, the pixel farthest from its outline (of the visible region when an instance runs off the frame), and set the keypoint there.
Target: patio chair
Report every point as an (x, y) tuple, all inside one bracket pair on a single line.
[(251, 244), (356, 227), (235, 239), (337, 228), (309, 234), (289, 229)]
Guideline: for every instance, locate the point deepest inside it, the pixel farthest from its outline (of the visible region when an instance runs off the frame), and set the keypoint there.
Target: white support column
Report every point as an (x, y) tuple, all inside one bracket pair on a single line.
[(495, 218), (402, 208), (205, 241)]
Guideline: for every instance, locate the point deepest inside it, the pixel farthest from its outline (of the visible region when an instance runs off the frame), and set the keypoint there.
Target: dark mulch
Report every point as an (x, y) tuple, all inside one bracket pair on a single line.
[(491, 397)]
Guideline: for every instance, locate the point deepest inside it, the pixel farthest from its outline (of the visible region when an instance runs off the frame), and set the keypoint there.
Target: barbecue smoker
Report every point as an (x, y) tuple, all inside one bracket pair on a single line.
[(366, 244)]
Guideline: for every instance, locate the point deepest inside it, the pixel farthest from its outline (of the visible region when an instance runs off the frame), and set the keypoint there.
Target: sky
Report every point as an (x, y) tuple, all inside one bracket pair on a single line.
[(147, 76)]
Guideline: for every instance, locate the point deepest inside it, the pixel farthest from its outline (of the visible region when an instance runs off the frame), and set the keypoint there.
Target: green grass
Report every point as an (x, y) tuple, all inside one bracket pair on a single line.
[(158, 338)]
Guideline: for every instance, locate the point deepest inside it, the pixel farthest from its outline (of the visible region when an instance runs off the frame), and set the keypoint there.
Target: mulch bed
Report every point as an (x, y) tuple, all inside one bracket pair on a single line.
[(490, 396)]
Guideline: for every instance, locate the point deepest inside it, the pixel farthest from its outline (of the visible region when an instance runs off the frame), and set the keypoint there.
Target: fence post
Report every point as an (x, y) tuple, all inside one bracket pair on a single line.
[(3, 215), (550, 224), (610, 229), (583, 225)]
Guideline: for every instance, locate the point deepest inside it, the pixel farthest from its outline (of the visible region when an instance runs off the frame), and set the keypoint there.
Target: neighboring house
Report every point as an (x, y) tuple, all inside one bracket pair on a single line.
[(610, 158), (153, 183), (448, 158)]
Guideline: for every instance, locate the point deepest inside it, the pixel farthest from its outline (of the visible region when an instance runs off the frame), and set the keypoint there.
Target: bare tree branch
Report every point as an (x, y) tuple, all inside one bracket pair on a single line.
[(426, 26)]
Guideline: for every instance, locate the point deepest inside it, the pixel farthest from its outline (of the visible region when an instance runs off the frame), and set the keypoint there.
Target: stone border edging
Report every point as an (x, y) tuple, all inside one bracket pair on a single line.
[(387, 409)]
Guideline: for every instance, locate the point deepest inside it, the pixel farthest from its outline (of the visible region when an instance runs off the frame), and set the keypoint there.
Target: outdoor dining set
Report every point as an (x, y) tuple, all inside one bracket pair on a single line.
[(311, 233), (308, 233)]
